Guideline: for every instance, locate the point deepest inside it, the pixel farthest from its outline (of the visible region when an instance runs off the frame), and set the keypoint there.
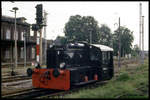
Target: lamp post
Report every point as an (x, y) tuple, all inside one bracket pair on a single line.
[(14, 10), (25, 35)]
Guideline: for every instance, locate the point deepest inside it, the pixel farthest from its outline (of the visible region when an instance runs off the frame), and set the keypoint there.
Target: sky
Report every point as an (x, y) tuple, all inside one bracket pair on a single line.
[(104, 12)]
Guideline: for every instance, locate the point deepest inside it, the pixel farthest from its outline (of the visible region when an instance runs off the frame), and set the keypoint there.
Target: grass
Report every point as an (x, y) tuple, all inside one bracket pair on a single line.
[(127, 85)]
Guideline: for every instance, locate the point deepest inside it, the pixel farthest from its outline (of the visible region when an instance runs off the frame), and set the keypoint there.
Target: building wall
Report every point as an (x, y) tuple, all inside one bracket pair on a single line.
[(7, 44)]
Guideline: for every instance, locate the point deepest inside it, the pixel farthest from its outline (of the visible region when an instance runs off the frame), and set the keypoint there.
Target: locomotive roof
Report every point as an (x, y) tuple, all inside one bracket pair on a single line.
[(80, 45), (102, 47)]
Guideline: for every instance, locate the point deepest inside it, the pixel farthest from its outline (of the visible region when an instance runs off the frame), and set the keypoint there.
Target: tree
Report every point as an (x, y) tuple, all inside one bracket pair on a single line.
[(126, 41), (79, 28), (135, 50), (105, 35)]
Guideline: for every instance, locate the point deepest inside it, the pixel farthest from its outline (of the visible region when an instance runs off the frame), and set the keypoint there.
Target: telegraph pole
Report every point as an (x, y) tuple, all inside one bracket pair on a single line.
[(142, 39), (119, 45), (140, 32)]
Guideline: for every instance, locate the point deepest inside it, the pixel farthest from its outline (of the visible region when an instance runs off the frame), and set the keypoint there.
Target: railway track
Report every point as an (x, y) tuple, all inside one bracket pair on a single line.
[(27, 93), (14, 78), (30, 93), (48, 93)]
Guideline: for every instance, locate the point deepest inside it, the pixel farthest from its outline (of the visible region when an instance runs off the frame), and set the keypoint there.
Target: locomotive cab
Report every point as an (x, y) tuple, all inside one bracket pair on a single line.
[(107, 68)]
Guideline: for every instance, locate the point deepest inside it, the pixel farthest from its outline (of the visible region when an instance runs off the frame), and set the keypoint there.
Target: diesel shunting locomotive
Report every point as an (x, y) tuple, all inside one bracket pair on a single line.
[(74, 64)]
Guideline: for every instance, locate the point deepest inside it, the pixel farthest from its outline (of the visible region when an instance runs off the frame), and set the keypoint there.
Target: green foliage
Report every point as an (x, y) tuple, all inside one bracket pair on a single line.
[(126, 37), (79, 28), (105, 35), (123, 77), (135, 51)]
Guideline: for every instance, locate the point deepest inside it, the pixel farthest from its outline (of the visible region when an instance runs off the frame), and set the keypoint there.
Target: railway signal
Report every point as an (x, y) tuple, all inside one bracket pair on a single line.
[(39, 14), (37, 28)]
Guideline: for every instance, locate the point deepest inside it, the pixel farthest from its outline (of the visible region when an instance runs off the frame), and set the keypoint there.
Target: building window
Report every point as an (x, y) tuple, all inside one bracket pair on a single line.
[(33, 53), (7, 53), (8, 34), (22, 37), (22, 53)]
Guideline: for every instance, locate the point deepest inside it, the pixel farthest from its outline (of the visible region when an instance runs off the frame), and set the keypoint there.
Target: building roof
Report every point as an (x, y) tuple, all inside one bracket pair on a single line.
[(20, 20), (102, 47)]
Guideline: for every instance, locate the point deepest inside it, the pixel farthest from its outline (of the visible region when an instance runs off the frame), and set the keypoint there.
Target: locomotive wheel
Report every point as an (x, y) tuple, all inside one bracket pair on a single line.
[(56, 73), (29, 72)]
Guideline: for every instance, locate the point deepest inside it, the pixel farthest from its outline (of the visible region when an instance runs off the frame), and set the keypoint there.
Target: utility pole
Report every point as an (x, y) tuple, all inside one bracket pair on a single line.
[(140, 32), (142, 39), (45, 23), (119, 45)]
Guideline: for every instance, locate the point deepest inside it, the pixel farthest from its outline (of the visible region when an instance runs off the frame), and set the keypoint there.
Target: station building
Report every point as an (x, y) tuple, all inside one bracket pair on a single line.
[(8, 41)]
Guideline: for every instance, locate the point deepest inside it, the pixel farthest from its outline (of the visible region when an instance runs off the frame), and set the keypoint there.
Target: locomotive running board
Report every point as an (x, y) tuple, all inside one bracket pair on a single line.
[(82, 83)]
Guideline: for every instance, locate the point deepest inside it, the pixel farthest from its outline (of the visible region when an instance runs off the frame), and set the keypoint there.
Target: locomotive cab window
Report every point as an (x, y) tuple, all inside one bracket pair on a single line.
[(106, 57), (95, 57)]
